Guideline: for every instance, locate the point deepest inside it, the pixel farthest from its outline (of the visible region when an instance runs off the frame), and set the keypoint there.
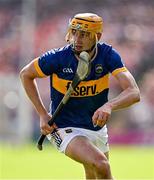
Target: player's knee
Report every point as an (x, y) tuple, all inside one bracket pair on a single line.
[(102, 166)]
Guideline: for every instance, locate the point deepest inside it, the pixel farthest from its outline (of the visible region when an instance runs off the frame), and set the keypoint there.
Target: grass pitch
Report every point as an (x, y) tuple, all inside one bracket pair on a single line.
[(28, 163)]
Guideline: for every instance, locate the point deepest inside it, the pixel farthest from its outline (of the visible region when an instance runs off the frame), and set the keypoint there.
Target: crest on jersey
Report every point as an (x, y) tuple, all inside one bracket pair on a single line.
[(98, 69)]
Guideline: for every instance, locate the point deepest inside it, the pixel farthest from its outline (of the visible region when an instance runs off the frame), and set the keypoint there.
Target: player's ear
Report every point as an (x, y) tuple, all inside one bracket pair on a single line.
[(99, 36)]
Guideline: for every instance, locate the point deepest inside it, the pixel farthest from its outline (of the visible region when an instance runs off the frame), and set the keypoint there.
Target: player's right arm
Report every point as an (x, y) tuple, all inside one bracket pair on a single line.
[(28, 75)]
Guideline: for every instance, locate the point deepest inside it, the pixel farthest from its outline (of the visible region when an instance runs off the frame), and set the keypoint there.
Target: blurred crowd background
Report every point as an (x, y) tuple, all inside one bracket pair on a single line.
[(28, 28)]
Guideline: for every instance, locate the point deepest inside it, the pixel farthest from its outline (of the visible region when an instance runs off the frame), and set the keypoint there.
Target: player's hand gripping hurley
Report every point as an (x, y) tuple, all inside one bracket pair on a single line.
[(82, 72)]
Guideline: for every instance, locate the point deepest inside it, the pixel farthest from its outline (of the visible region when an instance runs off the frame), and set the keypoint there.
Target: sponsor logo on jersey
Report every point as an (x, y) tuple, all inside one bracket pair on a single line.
[(83, 90), (67, 70)]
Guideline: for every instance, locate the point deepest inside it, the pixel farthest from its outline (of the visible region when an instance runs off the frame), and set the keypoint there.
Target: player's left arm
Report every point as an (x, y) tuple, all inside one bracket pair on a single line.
[(130, 94)]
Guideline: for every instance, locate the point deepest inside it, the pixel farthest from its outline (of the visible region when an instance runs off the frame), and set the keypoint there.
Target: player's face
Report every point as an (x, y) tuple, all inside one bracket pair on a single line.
[(82, 40)]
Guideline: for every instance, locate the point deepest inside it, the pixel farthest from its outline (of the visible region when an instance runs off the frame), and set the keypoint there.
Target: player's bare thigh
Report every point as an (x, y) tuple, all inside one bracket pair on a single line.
[(82, 150)]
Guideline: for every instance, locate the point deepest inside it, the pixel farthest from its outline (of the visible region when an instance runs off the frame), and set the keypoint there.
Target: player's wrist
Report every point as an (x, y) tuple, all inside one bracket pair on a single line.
[(43, 113), (110, 105)]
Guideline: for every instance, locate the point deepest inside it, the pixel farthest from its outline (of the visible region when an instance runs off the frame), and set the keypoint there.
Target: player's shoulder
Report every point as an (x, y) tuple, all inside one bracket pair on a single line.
[(107, 49), (61, 51), (104, 46)]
